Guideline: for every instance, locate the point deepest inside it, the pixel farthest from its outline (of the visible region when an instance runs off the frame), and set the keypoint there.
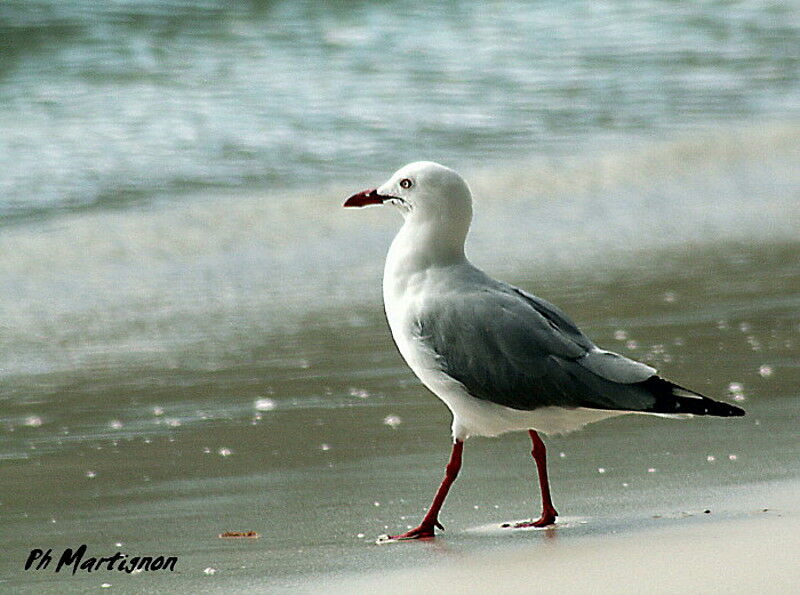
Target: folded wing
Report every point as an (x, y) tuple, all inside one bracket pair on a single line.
[(514, 349)]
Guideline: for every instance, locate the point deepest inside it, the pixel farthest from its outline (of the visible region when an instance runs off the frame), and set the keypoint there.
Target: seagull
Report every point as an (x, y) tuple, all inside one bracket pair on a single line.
[(501, 359)]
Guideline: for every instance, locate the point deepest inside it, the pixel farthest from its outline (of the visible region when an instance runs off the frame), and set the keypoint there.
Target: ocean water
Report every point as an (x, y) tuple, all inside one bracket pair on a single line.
[(116, 104), (191, 332)]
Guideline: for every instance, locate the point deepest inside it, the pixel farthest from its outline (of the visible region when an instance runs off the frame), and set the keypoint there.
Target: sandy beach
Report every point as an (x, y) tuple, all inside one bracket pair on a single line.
[(192, 334), (745, 550)]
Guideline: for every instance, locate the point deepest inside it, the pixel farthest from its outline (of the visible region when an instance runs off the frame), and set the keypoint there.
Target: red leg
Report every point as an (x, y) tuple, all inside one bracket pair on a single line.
[(431, 520), (549, 513)]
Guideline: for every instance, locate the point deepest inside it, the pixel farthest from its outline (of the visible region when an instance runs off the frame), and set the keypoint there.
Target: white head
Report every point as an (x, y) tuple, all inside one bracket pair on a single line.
[(434, 200)]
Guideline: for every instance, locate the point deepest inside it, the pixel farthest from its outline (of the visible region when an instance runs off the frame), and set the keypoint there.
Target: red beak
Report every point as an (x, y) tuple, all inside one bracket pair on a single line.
[(367, 197)]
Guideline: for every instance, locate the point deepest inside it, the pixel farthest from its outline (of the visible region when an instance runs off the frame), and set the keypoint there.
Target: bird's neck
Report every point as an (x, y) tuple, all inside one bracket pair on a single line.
[(419, 246)]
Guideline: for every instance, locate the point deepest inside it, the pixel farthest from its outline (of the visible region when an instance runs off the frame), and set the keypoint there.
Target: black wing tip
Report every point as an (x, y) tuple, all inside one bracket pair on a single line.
[(669, 400), (736, 411), (721, 409)]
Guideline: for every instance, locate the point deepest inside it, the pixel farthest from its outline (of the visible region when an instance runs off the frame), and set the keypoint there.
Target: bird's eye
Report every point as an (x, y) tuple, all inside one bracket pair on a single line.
[(405, 183)]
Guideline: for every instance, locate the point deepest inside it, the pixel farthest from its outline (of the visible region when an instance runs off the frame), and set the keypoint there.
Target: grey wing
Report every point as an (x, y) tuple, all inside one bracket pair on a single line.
[(509, 347), (555, 317)]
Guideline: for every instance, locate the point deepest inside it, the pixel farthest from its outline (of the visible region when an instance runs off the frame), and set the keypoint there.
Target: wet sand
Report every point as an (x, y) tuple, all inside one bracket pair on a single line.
[(320, 440), (748, 550), (191, 331)]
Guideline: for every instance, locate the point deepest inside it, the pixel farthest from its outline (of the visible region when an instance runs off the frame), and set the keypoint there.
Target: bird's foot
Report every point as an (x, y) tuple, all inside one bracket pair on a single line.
[(424, 531), (547, 519)]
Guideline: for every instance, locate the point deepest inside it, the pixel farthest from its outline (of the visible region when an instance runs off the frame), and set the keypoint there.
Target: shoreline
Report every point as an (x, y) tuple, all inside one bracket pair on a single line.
[(744, 550)]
